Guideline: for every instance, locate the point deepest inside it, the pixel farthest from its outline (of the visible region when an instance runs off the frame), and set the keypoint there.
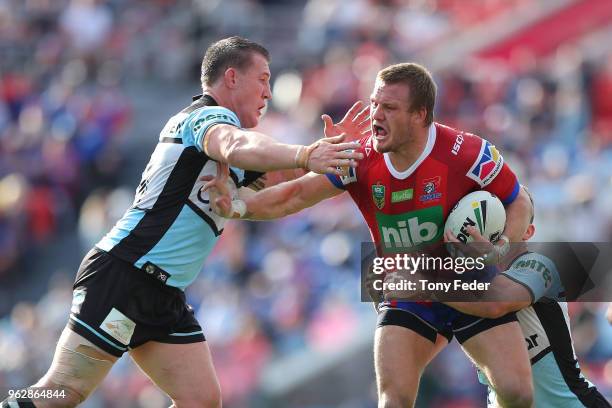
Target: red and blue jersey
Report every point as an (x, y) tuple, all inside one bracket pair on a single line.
[(407, 208)]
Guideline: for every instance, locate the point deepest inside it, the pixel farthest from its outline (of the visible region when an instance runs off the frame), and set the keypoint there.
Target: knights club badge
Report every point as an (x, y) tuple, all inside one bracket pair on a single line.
[(378, 195)]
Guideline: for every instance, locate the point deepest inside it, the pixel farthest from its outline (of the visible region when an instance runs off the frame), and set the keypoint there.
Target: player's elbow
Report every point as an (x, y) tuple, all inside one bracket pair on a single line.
[(233, 151)]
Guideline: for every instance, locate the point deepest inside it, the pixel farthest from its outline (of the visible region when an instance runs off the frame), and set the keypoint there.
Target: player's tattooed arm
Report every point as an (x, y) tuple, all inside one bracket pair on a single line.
[(488, 305), (494, 301), (273, 202), (258, 184), (289, 197)]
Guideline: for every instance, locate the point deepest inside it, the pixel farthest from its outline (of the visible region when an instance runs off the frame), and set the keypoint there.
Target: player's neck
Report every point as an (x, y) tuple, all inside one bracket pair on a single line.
[(219, 97), (407, 154)]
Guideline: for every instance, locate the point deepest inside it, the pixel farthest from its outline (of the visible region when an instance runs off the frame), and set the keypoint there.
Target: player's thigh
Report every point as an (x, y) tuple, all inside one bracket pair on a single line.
[(184, 371), (501, 354), (400, 356), (78, 367)]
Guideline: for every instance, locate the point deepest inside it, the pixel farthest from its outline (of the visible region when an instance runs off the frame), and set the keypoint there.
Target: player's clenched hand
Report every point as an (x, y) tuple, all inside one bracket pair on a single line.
[(329, 156), (355, 124), (218, 191), (492, 254)]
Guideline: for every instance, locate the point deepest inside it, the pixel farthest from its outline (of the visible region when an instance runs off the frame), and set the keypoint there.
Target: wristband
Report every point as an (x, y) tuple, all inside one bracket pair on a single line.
[(303, 155), (505, 248), (238, 208)]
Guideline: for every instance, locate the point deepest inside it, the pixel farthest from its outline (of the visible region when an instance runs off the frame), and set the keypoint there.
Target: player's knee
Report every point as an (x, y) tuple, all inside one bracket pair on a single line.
[(77, 369), (395, 400), (515, 394), (210, 398), (395, 395), (201, 401)]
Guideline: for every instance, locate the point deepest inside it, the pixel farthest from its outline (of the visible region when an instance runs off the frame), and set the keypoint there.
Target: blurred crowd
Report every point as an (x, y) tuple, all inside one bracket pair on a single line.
[(271, 289), (62, 115)]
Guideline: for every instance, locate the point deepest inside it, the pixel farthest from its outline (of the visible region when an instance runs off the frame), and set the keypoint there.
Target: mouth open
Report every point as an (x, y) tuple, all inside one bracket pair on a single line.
[(379, 131)]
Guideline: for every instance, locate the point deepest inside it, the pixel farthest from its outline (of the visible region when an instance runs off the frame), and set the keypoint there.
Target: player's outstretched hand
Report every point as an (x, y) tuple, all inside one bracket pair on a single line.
[(328, 155), (218, 191), (492, 254), (355, 124)]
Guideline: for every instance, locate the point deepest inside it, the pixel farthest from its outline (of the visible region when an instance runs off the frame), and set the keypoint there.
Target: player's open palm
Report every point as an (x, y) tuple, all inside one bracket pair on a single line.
[(355, 124), (330, 156)]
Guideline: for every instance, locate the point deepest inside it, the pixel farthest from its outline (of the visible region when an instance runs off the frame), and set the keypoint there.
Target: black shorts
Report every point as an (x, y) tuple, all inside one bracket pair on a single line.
[(118, 307), (432, 319)]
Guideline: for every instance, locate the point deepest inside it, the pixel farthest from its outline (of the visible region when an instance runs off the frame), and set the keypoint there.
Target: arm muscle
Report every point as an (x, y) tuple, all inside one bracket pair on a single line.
[(289, 197), (489, 304), (247, 149)]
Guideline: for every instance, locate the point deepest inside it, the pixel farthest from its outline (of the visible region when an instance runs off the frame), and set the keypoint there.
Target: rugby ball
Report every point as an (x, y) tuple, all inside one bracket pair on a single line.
[(480, 209)]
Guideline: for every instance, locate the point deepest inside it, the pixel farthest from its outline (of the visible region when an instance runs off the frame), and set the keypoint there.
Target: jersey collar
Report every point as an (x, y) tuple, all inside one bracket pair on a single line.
[(401, 175), (205, 99)]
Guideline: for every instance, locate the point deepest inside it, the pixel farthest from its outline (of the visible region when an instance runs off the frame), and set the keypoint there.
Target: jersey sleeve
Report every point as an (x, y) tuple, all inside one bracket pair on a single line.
[(488, 169), (538, 274), (350, 174), (202, 119), (342, 182)]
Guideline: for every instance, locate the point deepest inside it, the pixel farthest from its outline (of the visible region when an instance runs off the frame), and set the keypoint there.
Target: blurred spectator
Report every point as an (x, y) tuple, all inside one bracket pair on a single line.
[(87, 23)]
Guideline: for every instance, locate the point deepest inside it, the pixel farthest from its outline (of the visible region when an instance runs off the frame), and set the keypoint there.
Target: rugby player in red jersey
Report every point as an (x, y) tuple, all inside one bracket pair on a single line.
[(413, 172)]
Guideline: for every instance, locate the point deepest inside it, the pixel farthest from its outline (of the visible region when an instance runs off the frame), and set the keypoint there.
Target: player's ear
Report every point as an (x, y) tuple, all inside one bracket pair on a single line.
[(230, 78), (529, 233), (420, 115)]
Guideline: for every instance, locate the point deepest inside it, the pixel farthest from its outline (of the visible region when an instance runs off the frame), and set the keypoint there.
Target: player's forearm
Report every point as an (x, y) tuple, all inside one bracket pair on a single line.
[(502, 297), (487, 309), (517, 217), (289, 197), (256, 151), (275, 202)]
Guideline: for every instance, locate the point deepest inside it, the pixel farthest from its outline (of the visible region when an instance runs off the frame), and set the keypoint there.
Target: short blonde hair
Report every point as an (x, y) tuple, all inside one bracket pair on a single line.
[(420, 82)]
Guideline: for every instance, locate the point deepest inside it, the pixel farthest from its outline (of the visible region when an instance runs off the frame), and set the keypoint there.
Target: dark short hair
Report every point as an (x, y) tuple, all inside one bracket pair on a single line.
[(233, 52), (420, 82)]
